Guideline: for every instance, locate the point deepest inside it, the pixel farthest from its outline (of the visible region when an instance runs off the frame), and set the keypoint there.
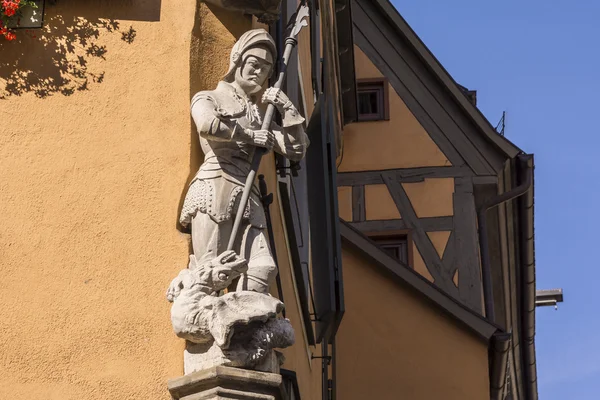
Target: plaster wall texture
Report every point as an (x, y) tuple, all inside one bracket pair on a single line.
[(379, 203), (439, 240), (419, 264), (431, 198), (389, 144), (345, 203), (96, 152), (410, 351)]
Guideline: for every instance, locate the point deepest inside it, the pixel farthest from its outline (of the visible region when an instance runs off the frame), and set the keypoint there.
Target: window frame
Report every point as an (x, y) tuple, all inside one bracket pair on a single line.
[(381, 85), (396, 233), (290, 384)]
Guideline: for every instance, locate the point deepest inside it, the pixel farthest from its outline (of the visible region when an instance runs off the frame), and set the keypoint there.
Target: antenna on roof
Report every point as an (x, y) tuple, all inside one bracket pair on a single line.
[(502, 124)]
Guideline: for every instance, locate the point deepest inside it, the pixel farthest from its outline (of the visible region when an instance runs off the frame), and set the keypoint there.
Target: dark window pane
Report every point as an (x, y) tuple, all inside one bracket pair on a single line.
[(395, 246), (371, 101), (368, 102), (393, 251)]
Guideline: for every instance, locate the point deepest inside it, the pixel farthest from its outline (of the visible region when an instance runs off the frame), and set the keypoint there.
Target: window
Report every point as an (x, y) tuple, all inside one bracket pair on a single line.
[(290, 384), (396, 246), (373, 104)]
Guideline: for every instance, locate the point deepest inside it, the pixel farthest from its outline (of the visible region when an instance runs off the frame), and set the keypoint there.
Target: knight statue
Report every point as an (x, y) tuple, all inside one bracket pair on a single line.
[(221, 301)]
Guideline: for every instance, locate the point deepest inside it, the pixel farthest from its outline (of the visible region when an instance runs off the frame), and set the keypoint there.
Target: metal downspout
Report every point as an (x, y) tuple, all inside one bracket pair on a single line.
[(499, 357), (527, 288), (486, 270)]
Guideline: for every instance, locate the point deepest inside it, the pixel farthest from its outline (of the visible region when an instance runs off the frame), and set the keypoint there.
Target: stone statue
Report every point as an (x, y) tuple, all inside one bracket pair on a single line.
[(239, 328)]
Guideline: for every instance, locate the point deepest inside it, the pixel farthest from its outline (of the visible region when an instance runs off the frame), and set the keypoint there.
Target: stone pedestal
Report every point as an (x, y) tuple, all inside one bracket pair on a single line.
[(201, 357), (227, 383)]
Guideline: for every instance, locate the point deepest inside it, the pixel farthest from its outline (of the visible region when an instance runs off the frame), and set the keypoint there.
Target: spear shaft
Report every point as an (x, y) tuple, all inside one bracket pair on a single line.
[(290, 43)]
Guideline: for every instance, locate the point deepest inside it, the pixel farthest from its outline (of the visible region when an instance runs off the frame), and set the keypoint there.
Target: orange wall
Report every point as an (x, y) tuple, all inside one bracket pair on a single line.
[(96, 152), (379, 203), (392, 344), (345, 203)]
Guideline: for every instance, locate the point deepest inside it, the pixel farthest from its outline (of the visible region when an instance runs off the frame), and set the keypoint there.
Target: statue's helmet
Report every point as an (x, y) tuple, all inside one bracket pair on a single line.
[(251, 39)]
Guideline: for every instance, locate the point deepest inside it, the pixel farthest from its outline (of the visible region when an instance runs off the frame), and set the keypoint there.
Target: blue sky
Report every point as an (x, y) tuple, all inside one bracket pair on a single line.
[(539, 61)]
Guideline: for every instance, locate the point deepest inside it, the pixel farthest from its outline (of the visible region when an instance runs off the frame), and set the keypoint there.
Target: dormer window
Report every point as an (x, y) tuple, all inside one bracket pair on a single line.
[(397, 244), (373, 103)]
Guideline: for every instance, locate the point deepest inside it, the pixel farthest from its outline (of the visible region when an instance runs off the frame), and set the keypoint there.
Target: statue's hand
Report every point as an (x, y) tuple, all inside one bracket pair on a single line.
[(277, 98), (264, 138), (225, 268)]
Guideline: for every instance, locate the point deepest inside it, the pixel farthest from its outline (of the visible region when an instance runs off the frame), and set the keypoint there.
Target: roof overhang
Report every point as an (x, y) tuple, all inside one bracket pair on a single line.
[(392, 14)]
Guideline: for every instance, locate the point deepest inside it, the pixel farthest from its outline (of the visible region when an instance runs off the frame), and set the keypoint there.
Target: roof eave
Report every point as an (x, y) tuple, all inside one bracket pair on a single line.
[(489, 132)]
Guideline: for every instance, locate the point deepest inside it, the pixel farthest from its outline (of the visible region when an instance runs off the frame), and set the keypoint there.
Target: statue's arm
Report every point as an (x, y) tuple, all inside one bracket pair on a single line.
[(210, 126), (290, 140)]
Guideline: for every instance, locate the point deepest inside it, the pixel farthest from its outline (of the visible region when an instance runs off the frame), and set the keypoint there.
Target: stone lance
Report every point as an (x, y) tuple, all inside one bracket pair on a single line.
[(290, 42)]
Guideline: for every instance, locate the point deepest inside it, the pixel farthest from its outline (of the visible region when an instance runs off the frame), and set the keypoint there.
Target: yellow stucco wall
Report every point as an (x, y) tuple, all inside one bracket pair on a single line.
[(345, 203), (419, 264), (392, 344), (379, 203), (95, 155), (439, 240), (383, 144), (431, 198)]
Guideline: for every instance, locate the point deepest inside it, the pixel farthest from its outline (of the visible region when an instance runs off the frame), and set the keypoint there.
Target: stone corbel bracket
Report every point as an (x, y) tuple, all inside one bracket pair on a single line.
[(267, 11)]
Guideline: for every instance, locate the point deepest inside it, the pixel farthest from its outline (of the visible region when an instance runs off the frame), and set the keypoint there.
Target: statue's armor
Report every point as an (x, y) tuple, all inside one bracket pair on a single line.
[(239, 328), (217, 187)]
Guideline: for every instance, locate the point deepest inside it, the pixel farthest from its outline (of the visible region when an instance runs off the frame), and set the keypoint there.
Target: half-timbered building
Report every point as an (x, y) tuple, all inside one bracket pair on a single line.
[(403, 241), (437, 211)]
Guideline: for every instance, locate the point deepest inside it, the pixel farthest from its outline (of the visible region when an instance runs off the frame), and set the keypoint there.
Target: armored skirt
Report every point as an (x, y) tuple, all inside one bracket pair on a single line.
[(220, 198)]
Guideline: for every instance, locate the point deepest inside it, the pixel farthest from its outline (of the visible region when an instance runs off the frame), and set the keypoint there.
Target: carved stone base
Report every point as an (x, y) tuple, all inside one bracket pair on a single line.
[(199, 357), (227, 383)]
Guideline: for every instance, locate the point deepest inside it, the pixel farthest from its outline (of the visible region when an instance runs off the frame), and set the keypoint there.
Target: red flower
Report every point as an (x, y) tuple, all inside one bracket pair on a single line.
[(10, 7)]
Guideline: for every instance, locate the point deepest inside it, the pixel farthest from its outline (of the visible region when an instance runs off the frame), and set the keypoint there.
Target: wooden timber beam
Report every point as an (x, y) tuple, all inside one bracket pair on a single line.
[(404, 175), (421, 239)]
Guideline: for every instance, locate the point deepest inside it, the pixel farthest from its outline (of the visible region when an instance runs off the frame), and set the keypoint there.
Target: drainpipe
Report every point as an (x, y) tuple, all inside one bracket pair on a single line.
[(486, 268), (527, 339), (499, 359)]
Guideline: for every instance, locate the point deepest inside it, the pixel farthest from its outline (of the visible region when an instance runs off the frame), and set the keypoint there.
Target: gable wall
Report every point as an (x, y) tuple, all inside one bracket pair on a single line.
[(382, 144), (414, 174)]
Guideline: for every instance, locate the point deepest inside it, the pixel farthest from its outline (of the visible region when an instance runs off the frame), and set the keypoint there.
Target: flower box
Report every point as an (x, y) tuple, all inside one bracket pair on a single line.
[(32, 16), (20, 14)]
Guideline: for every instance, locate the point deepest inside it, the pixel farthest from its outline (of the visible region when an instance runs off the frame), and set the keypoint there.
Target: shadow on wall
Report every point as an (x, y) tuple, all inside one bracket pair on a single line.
[(66, 54)]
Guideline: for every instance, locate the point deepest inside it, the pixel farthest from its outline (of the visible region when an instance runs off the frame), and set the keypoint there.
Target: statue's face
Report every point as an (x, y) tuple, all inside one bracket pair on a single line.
[(255, 70)]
